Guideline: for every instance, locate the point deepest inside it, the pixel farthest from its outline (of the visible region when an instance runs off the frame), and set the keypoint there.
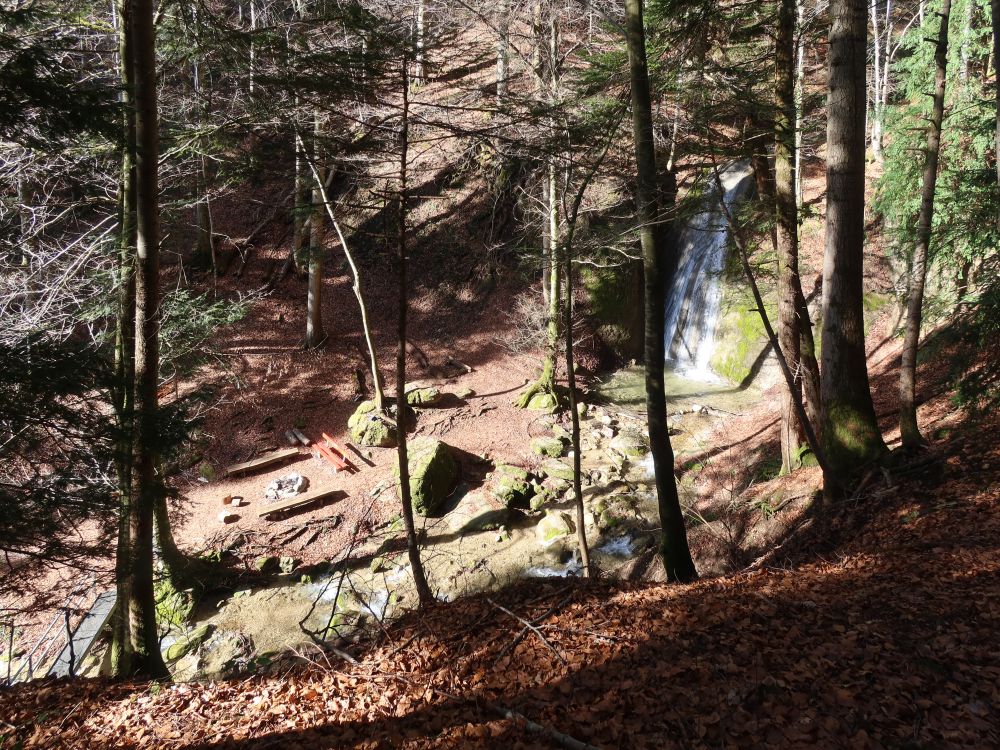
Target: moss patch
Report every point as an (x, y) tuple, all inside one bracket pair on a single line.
[(433, 474), (740, 336)]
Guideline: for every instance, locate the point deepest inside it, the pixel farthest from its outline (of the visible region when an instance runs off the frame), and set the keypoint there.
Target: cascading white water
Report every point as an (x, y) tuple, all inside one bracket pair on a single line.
[(693, 298)]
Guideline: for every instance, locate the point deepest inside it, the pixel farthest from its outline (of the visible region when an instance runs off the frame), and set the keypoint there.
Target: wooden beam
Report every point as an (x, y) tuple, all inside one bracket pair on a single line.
[(268, 459), (298, 501)]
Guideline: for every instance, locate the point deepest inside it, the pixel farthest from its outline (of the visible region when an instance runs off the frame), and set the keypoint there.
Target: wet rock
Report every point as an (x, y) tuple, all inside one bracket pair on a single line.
[(368, 428), (554, 526), (511, 486), (433, 474), (547, 446), (421, 394), (189, 642)]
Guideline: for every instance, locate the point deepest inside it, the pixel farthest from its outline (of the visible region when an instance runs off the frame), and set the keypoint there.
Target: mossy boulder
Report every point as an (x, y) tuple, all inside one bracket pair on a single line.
[(421, 394), (547, 446), (173, 606), (556, 469), (433, 474), (554, 526), (288, 564), (511, 485), (369, 428), (189, 642), (543, 401)]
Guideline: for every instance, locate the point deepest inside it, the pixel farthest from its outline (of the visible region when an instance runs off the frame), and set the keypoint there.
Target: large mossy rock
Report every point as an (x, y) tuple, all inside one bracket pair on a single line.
[(511, 485), (612, 296), (421, 394), (368, 428), (433, 474), (543, 401), (554, 526)]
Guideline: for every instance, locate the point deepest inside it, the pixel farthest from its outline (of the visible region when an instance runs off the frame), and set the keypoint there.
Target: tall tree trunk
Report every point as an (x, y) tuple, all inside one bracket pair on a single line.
[(995, 24), (551, 280), (147, 485), (800, 70), (674, 548), (851, 435), (503, 49), (424, 595), (908, 427), (300, 202), (787, 231), (315, 335), (876, 117), (121, 646)]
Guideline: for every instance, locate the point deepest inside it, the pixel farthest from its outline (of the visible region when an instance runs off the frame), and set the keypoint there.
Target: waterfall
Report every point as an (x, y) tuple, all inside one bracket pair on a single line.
[(694, 296)]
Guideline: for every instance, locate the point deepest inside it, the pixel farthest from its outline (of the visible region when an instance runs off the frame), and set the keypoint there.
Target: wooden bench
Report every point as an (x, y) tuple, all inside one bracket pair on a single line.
[(268, 459), (298, 501)]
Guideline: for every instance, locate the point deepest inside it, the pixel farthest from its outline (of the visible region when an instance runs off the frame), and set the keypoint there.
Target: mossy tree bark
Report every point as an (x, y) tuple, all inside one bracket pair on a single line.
[(674, 548), (424, 595), (908, 427), (851, 436), (792, 318), (147, 484)]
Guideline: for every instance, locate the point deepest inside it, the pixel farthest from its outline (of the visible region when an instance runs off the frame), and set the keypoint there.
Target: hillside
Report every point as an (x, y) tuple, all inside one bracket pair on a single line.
[(874, 628)]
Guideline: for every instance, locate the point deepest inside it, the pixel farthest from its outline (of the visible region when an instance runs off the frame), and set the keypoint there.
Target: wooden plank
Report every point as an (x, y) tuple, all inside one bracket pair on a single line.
[(343, 454), (298, 501), (268, 459), (85, 635), (326, 453)]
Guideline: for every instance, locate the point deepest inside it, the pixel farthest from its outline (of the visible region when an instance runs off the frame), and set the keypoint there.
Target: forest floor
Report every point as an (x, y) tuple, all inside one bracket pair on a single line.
[(875, 626)]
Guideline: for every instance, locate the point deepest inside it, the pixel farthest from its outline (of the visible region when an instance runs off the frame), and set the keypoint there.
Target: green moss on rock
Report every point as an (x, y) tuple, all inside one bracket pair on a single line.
[(547, 446), (189, 643), (368, 428), (433, 474), (511, 485)]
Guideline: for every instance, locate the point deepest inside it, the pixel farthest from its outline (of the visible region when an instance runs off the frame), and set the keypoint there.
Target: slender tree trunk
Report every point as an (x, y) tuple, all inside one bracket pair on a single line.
[(420, 72), (147, 485), (503, 50), (121, 646), (963, 68), (424, 595), (359, 292), (300, 202), (995, 24), (908, 427), (851, 433), (786, 231), (674, 547), (315, 335), (876, 121)]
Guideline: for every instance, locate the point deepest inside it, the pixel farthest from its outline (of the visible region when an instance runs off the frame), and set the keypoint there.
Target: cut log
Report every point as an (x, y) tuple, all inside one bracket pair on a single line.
[(268, 459), (301, 437), (298, 502)]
